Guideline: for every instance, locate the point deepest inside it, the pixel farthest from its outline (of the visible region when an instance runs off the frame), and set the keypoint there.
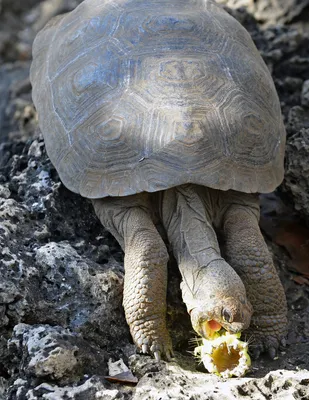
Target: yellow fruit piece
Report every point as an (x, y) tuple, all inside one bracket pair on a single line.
[(224, 355)]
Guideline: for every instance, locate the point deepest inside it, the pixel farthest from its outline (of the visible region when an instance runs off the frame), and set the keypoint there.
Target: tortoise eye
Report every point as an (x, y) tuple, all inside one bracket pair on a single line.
[(227, 316)]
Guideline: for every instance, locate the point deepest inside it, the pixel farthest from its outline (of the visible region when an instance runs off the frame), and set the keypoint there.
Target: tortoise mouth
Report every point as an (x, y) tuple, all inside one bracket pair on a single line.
[(210, 328)]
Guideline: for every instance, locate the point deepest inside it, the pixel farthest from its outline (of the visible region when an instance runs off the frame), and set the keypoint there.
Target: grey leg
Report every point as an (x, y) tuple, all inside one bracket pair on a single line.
[(145, 262), (247, 252)]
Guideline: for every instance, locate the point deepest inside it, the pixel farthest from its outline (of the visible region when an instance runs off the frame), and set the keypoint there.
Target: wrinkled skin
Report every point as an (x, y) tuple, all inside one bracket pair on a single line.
[(239, 293)]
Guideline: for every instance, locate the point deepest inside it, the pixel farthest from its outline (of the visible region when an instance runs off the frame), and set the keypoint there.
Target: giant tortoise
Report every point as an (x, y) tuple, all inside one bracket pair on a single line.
[(165, 109)]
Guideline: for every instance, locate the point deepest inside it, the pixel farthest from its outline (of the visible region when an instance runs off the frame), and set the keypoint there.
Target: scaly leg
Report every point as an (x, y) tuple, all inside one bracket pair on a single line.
[(246, 251), (144, 299)]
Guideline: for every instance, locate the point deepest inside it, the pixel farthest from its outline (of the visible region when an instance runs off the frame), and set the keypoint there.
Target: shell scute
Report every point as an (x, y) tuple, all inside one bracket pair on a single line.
[(79, 90), (79, 36)]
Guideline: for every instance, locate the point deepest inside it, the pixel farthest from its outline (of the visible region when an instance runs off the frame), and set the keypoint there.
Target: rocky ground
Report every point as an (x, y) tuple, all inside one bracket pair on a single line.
[(62, 324)]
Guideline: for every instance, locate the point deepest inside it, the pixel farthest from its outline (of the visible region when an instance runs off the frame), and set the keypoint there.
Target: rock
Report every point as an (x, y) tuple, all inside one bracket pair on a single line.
[(50, 352), (91, 389), (10, 75), (61, 273), (283, 384), (270, 11), (53, 353), (297, 170), (48, 9), (21, 20), (17, 6), (4, 192), (99, 289), (177, 381), (117, 367), (298, 119), (305, 94)]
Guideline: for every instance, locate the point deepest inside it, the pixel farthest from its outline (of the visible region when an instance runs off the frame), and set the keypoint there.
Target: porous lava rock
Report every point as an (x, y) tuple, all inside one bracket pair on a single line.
[(61, 272)]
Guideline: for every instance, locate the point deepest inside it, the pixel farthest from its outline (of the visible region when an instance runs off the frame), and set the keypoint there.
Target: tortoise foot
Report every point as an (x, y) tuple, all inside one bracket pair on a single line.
[(154, 340), (268, 344), (267, 336)]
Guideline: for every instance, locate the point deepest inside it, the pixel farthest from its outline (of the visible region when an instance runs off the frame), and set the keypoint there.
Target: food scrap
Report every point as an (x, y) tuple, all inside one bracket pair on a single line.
[(224, 355)]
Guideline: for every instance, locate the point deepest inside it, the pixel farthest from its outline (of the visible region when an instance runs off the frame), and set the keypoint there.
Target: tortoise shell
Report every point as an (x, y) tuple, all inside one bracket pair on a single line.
[(144, 95)]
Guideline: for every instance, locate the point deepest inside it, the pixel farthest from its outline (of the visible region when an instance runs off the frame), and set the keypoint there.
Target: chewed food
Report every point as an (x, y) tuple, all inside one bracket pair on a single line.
[(224, 355)]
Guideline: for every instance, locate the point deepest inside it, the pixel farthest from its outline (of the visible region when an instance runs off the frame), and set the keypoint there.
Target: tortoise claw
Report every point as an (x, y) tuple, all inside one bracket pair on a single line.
[(157, 355), (153, 341), (266, 339), (159, 350)]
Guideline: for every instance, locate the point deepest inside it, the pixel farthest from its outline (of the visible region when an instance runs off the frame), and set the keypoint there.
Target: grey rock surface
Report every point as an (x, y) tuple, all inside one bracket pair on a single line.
[(92, 388), (11, 106), (54, 353), (297, 170), (177, 381), (270, 12), (305, 94), (61, 273)]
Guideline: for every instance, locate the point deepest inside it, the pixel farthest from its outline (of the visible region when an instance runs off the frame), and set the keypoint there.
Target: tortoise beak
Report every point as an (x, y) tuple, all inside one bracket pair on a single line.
[(209, 328)]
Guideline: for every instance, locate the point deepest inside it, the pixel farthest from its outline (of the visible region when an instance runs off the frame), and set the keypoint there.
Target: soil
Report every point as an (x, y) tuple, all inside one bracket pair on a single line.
[(62, 324)]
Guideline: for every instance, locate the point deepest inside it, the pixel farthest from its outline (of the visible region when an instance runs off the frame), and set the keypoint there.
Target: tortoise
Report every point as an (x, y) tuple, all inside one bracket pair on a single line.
[(165, 109)]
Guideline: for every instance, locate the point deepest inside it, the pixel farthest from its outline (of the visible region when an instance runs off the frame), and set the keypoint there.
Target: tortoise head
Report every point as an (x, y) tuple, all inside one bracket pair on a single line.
[(231, 313), (217, 299)]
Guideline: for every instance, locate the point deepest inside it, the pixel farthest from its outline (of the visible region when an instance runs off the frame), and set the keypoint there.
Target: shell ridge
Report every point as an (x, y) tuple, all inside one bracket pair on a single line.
[(60, 21), (86, 45), (73, 60), (68, 134), (48, 51), (82, 120)]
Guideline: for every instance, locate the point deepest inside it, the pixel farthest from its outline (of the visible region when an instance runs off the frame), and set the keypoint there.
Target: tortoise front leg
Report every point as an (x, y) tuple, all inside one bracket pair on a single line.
[(145, 263), (246, 251)]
